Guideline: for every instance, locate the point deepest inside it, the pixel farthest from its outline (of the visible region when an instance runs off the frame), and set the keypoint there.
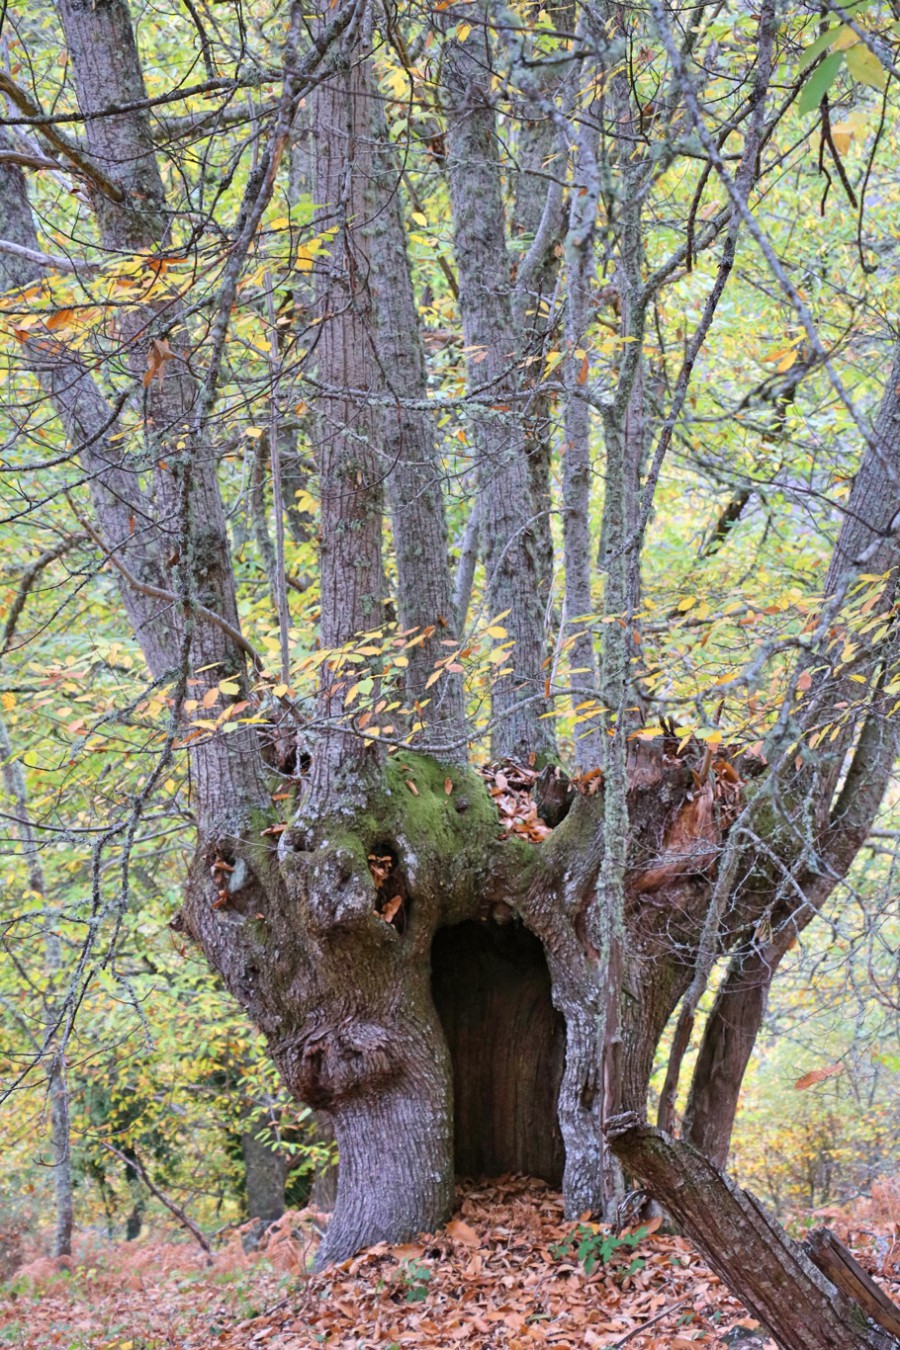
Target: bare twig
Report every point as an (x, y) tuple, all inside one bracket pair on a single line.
[(140, 1170), (636, 1331), (159, 593)]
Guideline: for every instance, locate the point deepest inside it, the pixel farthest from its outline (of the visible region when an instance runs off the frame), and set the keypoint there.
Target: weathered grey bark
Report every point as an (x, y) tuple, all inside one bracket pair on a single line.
[(769, 1272), (537, 225), (507, 510), (350, 470), (425, 594), (577, 463), (52, 1049)]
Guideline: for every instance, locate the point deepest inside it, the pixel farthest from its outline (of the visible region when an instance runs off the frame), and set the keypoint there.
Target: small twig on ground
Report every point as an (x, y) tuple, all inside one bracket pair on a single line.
[(636, 1331)]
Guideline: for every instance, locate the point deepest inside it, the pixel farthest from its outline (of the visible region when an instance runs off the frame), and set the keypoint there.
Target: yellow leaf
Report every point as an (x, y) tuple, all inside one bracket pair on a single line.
[(209, 698), (229, 687), (282, 223), (463, 32), (687, 603), (254, 433), (496, 631), (8, 701), (865, 67), (845, 38), (842, 135)]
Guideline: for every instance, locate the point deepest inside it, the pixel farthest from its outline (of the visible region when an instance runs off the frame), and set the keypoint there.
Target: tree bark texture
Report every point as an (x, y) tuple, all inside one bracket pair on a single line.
[(351, 470), (507, 510), (769, 1272), (415, 490)]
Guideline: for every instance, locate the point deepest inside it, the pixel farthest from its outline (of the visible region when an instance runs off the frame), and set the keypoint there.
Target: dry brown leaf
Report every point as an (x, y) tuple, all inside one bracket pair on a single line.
[(461, 1232), (818, 1076), (408, 1251), (390, 909), (412, 787)]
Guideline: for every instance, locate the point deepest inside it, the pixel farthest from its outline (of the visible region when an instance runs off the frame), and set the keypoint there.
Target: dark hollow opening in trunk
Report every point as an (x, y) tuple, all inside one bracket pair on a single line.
[(491, 988)]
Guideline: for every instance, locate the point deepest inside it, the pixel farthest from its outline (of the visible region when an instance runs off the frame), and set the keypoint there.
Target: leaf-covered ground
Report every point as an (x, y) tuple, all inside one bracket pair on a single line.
[(505, 1273)]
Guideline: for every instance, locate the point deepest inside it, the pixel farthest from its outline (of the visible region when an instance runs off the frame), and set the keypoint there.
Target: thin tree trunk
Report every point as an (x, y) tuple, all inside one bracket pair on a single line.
[(415, 491), (577, 476), (350, 470), (53, 1049)]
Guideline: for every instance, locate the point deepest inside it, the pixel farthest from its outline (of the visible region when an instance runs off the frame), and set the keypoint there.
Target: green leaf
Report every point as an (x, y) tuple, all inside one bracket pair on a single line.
[(821, 44), (820, 82), (866, 67)]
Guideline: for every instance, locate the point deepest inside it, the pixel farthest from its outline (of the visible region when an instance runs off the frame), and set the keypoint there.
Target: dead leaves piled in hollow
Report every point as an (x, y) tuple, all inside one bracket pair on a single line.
[(511, 787)]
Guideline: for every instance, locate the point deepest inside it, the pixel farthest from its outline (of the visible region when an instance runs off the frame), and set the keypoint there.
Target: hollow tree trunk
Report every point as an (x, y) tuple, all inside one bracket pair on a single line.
[(492, 992)]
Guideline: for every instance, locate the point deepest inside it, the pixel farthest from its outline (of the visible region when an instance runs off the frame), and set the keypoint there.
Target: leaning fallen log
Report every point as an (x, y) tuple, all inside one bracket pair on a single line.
[(803, 1307)]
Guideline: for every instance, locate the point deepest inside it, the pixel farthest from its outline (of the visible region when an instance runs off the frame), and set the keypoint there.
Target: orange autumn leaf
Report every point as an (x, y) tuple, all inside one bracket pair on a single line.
[(818, 1076)]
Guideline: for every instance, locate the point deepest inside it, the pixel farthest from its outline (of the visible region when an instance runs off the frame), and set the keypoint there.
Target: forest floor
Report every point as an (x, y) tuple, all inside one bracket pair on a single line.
[(506, 1272)]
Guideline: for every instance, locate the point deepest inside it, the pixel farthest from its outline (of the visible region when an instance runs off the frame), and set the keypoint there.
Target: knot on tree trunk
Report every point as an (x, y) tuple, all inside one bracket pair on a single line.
[(333, 1064)]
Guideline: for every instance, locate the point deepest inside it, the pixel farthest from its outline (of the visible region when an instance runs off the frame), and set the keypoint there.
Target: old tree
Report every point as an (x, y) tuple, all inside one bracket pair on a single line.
[(404, 372)]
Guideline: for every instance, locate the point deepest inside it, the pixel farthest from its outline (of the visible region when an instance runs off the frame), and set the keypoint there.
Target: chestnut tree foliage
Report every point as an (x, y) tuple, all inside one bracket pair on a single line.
[(396, 389)]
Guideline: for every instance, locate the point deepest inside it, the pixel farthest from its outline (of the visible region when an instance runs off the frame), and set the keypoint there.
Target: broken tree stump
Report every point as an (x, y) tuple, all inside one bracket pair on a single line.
[(762, 1266), (842, 1269), (553, 795)]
